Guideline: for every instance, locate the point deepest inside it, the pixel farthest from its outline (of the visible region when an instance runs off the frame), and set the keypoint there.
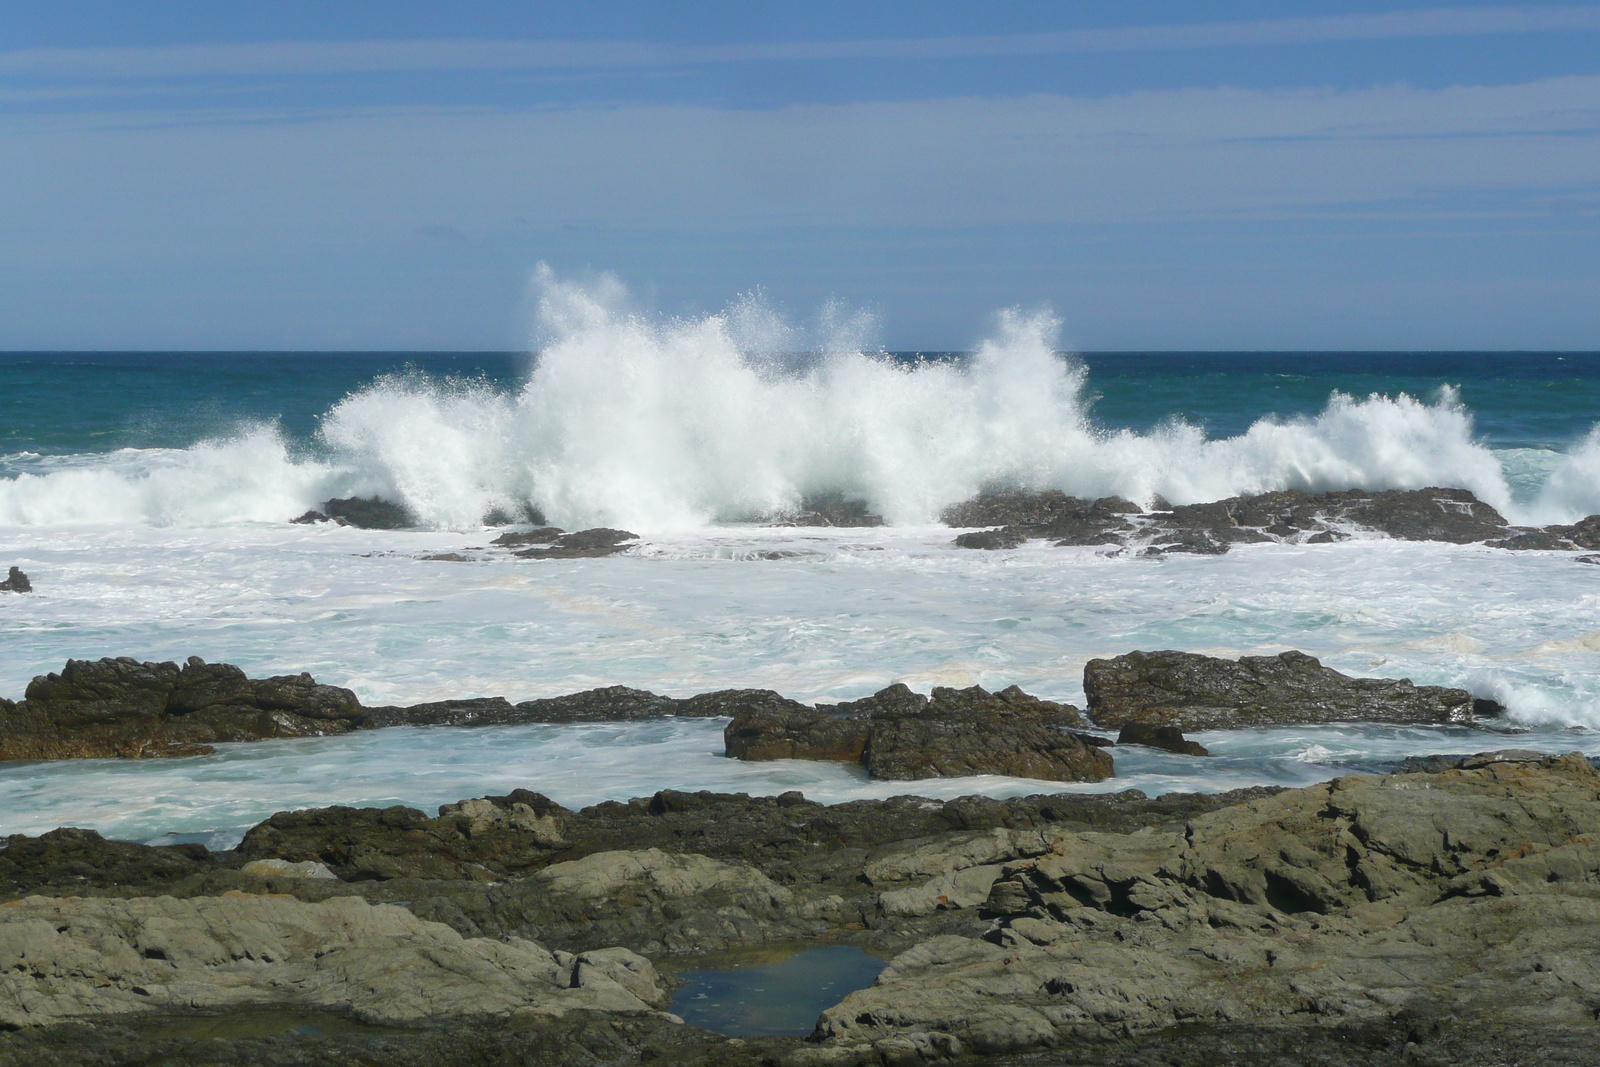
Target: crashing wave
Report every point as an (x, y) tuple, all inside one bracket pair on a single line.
[(670, 424)]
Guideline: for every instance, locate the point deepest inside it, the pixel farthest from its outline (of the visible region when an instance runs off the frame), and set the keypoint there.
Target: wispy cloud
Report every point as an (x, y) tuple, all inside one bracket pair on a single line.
[(375, 56)]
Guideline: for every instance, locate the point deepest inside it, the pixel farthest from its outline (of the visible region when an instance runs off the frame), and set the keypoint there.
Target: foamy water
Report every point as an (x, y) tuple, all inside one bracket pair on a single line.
[(674, 428), (674, 425), (214, 799)]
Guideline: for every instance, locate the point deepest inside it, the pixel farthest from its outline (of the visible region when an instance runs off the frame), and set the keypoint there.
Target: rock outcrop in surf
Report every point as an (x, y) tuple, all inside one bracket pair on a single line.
[(1456, 516), (122, 708), (901, 735), (1193, 692)]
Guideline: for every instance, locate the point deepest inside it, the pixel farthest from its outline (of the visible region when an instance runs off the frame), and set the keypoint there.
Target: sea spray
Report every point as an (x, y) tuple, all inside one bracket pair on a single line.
[(662, 424)]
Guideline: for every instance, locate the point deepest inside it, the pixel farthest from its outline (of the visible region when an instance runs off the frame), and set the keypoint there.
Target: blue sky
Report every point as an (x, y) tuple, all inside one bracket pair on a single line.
[(1164, 175)]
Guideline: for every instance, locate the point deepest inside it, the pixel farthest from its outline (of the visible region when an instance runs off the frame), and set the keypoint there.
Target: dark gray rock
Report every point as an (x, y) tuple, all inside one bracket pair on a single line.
[(526, 513), (1168, 738), (584, 544), (16, 582), (124, 708), (612, 703), (368, 513), (1432, 514), (1196, 692), (789, 730), (1050, 514), (899, 734), (1004, 537), (544, 535)]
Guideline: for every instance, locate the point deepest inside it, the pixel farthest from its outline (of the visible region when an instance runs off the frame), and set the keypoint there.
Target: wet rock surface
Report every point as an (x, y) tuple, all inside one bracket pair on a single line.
[(1442, 915), (901, 735), (124, 708), (121, 708), (584, 544), (1289, 516), (1167, 738), (1194, 692), (367, 513), (16, 582)]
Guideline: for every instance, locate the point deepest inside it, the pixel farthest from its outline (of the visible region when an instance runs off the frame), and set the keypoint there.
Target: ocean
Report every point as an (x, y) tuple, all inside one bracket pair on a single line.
[(149, 498)]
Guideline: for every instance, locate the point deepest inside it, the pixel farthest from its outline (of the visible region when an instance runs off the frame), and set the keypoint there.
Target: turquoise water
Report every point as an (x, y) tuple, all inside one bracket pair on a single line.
[(57, 403)]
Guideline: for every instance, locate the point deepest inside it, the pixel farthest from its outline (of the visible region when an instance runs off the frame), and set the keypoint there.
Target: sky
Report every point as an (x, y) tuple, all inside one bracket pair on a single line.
[(389, 175)]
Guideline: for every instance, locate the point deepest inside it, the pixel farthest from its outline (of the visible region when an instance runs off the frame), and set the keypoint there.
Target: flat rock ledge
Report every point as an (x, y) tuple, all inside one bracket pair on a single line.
[(1444, 914), (66, 957), (1456, 516)]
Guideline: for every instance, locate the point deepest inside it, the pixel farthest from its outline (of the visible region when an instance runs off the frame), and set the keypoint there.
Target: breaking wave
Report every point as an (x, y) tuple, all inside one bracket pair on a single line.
[(662, 424)]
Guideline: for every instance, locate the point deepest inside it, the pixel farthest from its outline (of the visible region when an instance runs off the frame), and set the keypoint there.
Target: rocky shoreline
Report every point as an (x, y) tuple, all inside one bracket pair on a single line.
[(1443, 914), (1010, 518), (122, 708)]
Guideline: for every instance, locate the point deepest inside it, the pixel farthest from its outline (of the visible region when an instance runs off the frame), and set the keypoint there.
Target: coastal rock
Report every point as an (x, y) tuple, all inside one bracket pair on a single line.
[(1466, 894), (368, 513), (1167, 738), (1004, 537), (584, 544), (1022, 515), (124, 708), (63, 958), (902, 735), (544, 535), (1194, 692), (285, 869), (70, 860), (786, 729), (1432, 514), (958, 735), (16, 582), (615, 703)]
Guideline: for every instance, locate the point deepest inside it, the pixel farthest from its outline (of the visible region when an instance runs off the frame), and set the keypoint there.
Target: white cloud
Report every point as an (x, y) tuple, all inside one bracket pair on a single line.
[(322, 57)]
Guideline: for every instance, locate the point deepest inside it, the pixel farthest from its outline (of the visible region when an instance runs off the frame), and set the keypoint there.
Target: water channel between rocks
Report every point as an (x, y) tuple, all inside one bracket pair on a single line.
[(772, 993)]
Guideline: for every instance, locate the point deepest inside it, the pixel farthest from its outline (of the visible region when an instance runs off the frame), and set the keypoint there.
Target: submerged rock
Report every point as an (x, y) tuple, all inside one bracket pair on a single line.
[(542, 535), (124, 708), (585, 544), (899, 734), (1195, 692), (16, 582)]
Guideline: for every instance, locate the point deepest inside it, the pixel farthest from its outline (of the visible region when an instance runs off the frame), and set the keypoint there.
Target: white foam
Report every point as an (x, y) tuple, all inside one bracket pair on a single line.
[(1572, 489), (674, 424)]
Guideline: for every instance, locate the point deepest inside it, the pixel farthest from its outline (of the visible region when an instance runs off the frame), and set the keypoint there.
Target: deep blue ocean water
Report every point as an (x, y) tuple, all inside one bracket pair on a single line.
[(56, 403)]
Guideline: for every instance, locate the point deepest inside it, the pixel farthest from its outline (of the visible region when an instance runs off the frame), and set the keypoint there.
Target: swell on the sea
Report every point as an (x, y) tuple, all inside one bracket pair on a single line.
[(662, 424)]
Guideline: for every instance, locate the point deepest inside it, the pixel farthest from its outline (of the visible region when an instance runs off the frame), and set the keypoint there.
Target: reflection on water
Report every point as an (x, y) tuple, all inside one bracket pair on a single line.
[(782, 998)]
